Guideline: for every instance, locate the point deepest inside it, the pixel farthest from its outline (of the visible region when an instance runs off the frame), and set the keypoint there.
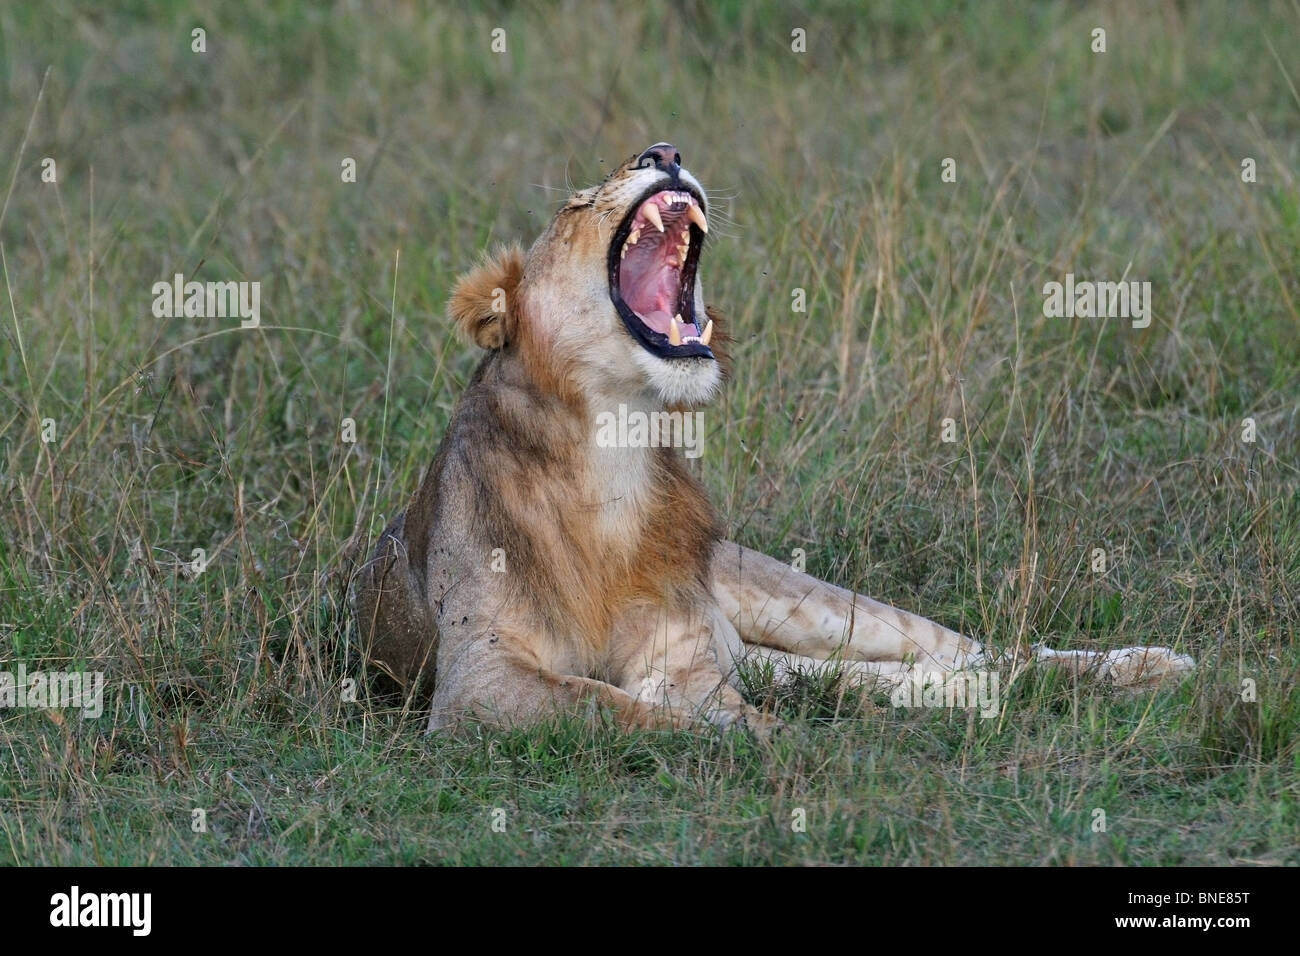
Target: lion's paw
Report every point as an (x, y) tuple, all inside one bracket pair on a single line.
[(1131, 666), (761, 725)]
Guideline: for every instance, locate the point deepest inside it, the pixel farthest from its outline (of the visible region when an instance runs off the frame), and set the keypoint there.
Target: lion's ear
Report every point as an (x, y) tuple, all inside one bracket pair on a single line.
[(482, 304)]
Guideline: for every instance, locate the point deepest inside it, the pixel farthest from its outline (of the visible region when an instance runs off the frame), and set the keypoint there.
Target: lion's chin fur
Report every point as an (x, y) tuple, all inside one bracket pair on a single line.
[(684, 382)]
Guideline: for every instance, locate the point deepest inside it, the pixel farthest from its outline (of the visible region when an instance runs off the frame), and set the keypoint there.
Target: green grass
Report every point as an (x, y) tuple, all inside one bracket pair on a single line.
[(924, 302)]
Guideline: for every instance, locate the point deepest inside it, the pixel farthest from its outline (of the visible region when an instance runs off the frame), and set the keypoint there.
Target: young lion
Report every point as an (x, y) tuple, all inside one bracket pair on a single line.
[(538, 569)]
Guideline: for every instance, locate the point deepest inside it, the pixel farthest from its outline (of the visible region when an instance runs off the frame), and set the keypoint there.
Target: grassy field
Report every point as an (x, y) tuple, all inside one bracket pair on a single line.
[(128, 441)]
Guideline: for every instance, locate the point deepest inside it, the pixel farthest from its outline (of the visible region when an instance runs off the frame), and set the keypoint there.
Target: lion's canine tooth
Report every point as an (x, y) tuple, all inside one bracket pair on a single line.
[(707, 333), (651, 212), (696, 215), (675, 333)]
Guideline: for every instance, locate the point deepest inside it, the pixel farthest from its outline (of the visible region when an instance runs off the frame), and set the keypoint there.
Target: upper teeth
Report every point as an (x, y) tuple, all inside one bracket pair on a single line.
[(696, 215), (651, 212)]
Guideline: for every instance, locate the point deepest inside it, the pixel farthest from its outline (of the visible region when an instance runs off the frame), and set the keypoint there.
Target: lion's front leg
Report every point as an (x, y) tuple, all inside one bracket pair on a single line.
[(683, 663), (490, 669), (774, 606)]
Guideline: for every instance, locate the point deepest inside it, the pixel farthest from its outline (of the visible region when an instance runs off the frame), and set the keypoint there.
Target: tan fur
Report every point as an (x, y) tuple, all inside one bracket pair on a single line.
[(476, 295), (534, 571)]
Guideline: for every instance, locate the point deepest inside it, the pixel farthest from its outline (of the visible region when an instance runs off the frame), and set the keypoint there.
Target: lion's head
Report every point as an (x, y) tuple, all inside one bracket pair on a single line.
[(608, 296)]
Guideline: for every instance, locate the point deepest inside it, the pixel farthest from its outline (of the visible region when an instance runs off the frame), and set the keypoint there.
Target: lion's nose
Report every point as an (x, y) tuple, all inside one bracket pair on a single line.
[(665, 158)]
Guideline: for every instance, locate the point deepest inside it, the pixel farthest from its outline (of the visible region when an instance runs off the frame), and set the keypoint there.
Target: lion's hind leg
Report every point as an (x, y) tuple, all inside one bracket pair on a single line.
[(774, 606), (877, 676), (398, 635), (1125, 666)]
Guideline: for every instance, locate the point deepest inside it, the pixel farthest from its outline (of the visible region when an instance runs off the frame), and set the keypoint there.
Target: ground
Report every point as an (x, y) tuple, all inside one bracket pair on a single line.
[(1105, 484)]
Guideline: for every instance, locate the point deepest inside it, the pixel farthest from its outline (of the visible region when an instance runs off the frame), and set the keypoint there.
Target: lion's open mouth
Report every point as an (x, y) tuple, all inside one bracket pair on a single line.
[(652, 263)]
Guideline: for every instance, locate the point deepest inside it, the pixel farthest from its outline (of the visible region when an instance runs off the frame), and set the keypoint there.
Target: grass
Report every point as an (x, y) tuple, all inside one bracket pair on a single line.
[(226, 689)]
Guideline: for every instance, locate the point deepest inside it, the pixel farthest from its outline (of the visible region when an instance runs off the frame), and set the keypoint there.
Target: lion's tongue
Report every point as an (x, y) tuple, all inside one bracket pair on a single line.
[(657, 320), (650, 287)]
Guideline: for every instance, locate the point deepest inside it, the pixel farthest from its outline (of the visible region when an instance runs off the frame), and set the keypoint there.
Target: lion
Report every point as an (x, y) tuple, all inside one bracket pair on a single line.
[(539, 569)]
